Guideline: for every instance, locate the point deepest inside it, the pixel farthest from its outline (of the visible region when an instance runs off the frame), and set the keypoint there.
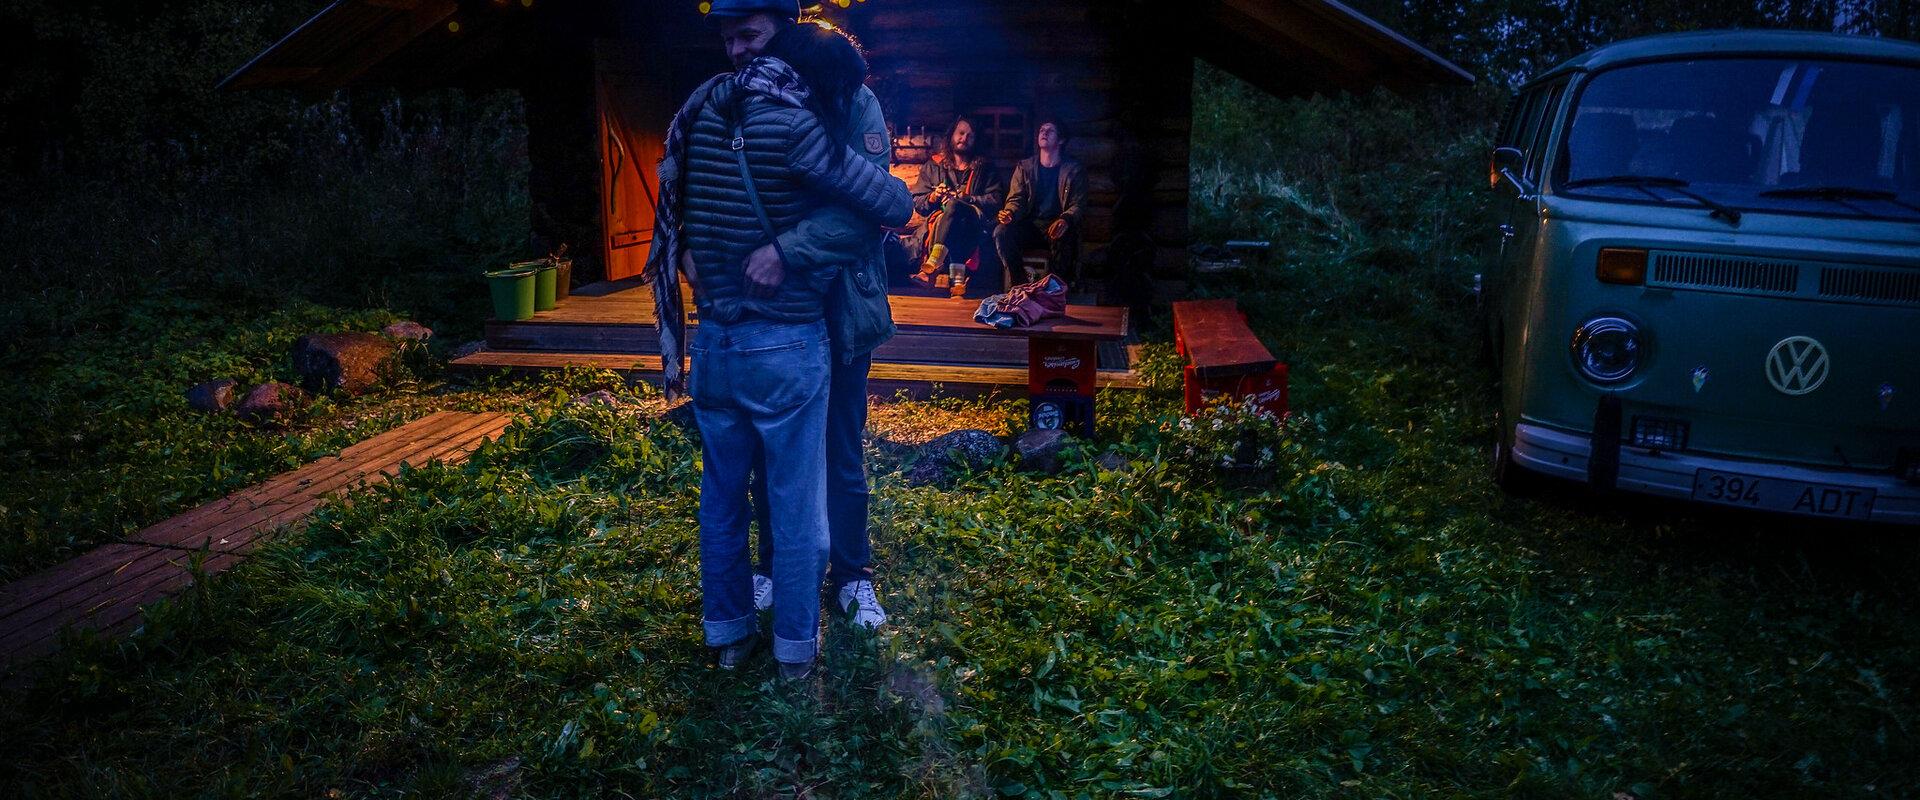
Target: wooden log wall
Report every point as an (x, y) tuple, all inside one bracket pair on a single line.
[(1117, 73)]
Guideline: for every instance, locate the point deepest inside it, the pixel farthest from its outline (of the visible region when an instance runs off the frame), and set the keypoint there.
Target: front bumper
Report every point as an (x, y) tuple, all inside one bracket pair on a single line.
[(1565, 455)]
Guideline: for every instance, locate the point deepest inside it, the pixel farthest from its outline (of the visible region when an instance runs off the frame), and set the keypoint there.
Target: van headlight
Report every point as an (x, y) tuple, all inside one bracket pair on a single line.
[(1608, 349)]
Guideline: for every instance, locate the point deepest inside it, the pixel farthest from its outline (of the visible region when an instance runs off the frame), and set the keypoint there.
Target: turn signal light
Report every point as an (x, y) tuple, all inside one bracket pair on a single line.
[(1622, 266)]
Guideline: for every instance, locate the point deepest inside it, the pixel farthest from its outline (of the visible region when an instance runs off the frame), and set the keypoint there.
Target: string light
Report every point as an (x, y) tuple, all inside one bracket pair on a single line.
[(707, 7)]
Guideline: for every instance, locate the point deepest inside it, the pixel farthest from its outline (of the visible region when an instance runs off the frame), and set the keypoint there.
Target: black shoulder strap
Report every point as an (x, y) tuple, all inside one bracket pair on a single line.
[(739, 145)]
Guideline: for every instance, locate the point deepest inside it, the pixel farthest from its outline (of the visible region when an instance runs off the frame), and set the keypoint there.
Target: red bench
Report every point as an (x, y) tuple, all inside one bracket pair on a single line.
[(1224, 358)]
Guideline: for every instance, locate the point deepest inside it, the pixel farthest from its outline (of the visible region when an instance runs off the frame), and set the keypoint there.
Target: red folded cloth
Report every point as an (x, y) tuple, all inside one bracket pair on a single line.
[(1025, 304)]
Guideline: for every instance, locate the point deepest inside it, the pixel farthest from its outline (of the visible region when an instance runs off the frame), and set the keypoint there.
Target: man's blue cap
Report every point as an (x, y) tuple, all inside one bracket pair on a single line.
[(789, 9)]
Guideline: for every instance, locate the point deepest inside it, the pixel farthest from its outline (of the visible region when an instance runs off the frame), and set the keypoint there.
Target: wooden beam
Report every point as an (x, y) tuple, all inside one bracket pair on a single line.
[(407, 25), (881, 380)]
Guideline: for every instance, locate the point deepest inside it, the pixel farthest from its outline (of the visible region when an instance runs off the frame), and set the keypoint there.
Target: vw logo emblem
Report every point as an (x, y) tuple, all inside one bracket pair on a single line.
[(1797, 365)]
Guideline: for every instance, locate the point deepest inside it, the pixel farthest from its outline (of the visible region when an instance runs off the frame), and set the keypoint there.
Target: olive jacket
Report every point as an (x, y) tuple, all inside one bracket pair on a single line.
[(1073, 190)]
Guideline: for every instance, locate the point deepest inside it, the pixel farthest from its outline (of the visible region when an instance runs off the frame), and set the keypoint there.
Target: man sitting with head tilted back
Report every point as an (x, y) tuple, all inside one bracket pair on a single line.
[(1049, 191)]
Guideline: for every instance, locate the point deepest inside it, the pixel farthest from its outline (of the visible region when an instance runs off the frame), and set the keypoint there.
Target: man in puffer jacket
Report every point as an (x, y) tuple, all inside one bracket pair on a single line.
[(761, 354), (795, 168)]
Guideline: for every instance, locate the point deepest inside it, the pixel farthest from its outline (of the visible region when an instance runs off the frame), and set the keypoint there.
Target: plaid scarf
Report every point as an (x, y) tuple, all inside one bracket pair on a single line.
[(769, 77)]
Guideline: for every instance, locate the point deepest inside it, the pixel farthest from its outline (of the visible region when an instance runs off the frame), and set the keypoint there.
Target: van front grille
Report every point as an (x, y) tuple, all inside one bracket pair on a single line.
[(1842, 283), (1721, 272)]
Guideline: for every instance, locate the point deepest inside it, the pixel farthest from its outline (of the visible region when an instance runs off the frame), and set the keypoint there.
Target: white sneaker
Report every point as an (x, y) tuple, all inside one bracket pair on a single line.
[(857, 598), (762, 592)]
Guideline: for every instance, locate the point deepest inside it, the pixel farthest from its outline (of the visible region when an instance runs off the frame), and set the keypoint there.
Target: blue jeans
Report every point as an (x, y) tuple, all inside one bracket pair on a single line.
[(761, 386), (847, 493)]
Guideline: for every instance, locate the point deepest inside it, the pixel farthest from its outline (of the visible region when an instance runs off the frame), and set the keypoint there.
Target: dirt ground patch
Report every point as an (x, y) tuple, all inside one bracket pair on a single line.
[(916, 423)]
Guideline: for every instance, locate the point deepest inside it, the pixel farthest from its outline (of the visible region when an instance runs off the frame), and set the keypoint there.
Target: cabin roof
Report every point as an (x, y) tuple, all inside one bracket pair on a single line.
[(412, 44), (1289, 47), (1298, 47)]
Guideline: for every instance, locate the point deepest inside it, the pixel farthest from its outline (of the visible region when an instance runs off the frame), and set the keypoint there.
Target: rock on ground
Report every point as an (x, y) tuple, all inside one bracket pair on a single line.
[(969, 449), (682, 416), (351, 363), (1112, 461), (470, 348), (1040, 449), (407, 330), (212, 397), (271, 403), (606, 398)]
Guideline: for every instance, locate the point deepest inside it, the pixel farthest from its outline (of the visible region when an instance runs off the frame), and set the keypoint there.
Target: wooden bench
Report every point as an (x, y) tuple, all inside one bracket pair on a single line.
[(1224, 358), (1063, 353)]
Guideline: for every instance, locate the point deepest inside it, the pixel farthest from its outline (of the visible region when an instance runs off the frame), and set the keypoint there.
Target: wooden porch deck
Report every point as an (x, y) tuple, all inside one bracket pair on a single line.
[(106, 588), (610, 325)]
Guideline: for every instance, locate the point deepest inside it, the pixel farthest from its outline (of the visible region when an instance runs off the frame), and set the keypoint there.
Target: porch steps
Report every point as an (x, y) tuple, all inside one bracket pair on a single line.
[(610, 325), (886, 378), (105, 589)]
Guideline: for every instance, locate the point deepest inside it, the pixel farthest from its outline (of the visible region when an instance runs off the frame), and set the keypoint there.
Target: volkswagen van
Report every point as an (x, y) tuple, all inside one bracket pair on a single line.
[(1707, 284)]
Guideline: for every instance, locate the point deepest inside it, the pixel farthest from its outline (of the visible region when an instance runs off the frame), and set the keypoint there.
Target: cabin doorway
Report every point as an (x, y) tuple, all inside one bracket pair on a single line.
[(633, 113)]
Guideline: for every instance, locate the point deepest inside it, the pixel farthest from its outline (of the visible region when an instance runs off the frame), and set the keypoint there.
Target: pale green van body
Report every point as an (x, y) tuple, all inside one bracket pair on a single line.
[(1728, 402)]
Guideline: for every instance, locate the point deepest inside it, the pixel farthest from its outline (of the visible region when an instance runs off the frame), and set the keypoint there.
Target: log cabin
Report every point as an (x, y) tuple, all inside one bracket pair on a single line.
[(600, 80)]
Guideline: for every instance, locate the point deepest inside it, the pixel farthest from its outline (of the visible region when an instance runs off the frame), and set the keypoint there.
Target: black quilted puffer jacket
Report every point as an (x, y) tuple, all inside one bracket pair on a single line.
[(789, 151)]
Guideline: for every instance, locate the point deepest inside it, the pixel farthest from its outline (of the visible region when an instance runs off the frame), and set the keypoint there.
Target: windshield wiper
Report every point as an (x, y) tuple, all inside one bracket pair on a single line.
[(1841, 194), (1675, 185)]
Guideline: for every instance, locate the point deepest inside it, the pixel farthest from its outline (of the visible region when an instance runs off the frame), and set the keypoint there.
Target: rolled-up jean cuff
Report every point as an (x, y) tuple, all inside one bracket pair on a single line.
[(793, 652), (721, 634)]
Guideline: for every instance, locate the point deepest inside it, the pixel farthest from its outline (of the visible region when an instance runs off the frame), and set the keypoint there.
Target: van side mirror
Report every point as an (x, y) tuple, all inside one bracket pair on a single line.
[(1507, 163)]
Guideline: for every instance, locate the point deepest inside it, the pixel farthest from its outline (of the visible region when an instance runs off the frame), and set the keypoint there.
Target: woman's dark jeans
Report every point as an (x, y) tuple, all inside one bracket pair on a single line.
[(851, 553)]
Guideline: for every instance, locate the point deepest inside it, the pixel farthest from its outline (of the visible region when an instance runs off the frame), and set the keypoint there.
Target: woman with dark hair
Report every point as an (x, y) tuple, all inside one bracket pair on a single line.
[(834, 69), (749, 157)]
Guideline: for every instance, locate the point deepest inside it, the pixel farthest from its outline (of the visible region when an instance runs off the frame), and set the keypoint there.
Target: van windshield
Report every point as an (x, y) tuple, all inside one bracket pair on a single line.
[(1779, 135)]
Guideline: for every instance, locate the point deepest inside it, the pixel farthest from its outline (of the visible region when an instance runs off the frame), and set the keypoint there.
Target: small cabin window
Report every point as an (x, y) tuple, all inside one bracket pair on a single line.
[(1002, 132)]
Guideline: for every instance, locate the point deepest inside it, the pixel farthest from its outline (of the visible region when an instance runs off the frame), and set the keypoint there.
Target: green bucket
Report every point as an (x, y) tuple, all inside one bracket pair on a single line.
[(545, 278), (513, 290), (544, 281)]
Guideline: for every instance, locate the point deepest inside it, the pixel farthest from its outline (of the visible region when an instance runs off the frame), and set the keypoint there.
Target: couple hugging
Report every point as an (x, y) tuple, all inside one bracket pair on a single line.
[(774, 194)]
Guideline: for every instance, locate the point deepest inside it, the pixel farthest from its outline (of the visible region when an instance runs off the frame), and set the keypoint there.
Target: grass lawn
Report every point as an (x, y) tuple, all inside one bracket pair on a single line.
[(1378, 621), (1371, 619)]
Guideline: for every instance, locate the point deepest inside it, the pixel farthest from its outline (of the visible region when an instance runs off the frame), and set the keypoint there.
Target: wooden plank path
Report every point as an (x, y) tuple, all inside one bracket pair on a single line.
[(105, 589)]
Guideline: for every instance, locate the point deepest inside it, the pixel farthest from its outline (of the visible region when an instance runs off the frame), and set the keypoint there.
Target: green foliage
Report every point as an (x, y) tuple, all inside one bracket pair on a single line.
[(99, 441), (1361, 615), (160, 233), (1506, 41)]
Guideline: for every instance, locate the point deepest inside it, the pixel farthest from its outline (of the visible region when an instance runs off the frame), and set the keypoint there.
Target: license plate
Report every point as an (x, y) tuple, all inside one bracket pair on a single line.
[(1777, 494)]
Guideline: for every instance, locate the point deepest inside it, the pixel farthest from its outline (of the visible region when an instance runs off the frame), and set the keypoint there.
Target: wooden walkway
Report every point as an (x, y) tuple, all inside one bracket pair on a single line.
[(105, 589)]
